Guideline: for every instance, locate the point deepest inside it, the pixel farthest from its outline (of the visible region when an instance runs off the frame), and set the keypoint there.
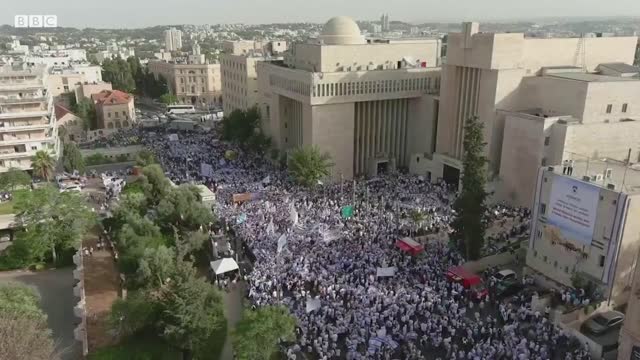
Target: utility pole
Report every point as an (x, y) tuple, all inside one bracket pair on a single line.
[(353, 202)]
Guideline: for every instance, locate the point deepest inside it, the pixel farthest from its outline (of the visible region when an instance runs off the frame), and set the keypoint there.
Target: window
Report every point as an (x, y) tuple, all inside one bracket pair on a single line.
[(566, 269), (555, 264), (609, 108), (624, 108), (124, 113), (544, 162), (543, 208), (544, 258), (34, 148), (108, 114), (547, 140), (535, 253), (601, 261), (539, 233)]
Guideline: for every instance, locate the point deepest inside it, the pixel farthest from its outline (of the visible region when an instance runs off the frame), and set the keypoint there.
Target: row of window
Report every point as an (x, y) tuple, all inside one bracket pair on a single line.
[(117, 124), (181, 71), (233, 64), (290, 85), (193, 89), (375, 87), (624, 109), (117, 114), (193, 79)]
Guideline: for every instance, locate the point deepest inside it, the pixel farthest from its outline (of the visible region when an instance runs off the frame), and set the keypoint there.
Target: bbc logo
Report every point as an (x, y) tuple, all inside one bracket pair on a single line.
[(36, 21)]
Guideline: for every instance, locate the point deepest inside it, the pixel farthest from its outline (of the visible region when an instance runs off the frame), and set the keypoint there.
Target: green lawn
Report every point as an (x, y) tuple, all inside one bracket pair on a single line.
[(6, 208)]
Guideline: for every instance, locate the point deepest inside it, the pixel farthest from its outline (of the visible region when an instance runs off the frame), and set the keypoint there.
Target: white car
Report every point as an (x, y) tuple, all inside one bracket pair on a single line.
[(505, 275)]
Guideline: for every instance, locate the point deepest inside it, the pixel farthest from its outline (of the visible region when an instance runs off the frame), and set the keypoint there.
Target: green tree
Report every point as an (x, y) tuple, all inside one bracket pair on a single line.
[(24, 334), (118, 72), (155, 184), (13, 179), (52, 220), (182, 208), (168, 99), (307, 165), (468, 225), (86, 111), (134, 314), (43, 164), (145, 158), (240, 125), (192, 310), (72, 158), (258, 333)]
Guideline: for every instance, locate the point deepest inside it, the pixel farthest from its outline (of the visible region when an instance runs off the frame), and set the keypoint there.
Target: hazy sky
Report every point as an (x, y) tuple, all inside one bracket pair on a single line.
[(141, 13)]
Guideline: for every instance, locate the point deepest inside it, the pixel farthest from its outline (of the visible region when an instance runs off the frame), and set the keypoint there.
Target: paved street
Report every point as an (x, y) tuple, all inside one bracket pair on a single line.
[(57, 300)]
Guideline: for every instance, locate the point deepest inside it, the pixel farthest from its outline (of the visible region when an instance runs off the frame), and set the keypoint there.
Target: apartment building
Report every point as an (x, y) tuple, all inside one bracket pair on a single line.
[(238, 69), (488, 72), (64, 79), (566, 114), (27, 118), (172, 39), (196, 83), (368, 103), (115, 109), (587, 227)]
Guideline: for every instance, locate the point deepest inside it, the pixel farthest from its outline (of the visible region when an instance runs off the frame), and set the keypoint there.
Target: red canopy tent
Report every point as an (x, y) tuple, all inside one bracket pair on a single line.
[(410, 246)]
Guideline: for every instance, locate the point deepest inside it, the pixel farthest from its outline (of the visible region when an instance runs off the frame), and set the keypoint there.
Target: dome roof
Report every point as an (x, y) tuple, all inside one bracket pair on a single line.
[(341, 30)]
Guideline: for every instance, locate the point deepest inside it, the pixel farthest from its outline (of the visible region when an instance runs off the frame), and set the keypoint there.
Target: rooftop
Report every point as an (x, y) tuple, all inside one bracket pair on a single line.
[(590, 77), (111, 97), (623, 178), (621, 68)]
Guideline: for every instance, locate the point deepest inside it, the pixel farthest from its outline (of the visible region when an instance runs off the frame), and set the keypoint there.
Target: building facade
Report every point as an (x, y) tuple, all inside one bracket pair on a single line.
[(27, 117), (238, 69), (630, 333), (67, 79), (588, 228), (114, 109), (485, 72), (568, 115), (172, 39), (369, 104), (198, 84)]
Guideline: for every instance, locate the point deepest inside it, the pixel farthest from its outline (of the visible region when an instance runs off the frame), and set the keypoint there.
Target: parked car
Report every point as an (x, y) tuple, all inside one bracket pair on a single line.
[(603, 322), (508, 288), (505, 275)]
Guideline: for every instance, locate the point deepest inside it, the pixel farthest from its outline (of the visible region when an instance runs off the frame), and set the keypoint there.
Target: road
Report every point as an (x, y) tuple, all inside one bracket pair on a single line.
[(233, 313), (57, 300)]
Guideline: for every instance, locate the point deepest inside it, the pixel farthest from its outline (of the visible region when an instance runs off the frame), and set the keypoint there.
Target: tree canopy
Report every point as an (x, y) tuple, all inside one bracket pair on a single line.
[(86, 111), (469, 224), (52, 221), (14, 178), (43, 164), (307, 165), (257, 335), (72, 158), (241, 125), (24, 334), (117, 71)]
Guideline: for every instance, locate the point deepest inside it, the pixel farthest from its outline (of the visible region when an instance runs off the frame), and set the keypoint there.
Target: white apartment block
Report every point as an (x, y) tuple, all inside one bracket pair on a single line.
[(67, 79), (113, 52), (488, 75), (27, 118), (172, 39), (369, 104), (239, 73), (588, 227)]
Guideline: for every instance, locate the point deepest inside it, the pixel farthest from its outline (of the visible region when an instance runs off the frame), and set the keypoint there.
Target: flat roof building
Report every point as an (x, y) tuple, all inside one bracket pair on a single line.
[(587, 227), (368, 104), (27, 117), (568, 116), (238, 69), (193, 83), (488, 72)]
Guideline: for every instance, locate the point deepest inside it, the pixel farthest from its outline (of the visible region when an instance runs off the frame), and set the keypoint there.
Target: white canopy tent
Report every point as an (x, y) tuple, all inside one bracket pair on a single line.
[(223, 265)]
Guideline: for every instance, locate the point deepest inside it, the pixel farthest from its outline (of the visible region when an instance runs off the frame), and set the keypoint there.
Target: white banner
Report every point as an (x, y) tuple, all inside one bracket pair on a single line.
[(282, 242), (386, 271), (293, 214), (206, 170), (572, 208), (313, 304), (173, 137)]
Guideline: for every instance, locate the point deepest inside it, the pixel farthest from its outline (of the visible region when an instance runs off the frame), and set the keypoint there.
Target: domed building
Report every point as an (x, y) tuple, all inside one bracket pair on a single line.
[(341, 30), (369, 103)]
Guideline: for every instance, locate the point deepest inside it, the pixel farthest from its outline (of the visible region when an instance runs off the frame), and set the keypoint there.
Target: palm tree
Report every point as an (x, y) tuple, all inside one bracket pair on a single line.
[(43, 164)]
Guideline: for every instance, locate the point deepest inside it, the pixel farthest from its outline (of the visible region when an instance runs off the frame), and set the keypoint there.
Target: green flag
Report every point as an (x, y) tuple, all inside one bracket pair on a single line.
[(347, 211)]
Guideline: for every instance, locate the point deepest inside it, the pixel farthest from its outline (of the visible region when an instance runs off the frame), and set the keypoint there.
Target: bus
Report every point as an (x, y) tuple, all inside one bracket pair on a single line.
[(181, 109)]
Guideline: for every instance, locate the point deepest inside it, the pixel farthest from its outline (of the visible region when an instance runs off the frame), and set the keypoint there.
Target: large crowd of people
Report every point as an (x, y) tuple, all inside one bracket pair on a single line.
[(324, 265)]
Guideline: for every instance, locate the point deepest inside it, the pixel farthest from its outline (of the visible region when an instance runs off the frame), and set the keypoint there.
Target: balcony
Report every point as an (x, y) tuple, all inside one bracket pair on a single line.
[(23, 100)]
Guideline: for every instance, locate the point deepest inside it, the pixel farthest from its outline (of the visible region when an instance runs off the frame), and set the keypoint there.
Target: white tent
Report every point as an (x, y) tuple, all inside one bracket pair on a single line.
[(223, 265)]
